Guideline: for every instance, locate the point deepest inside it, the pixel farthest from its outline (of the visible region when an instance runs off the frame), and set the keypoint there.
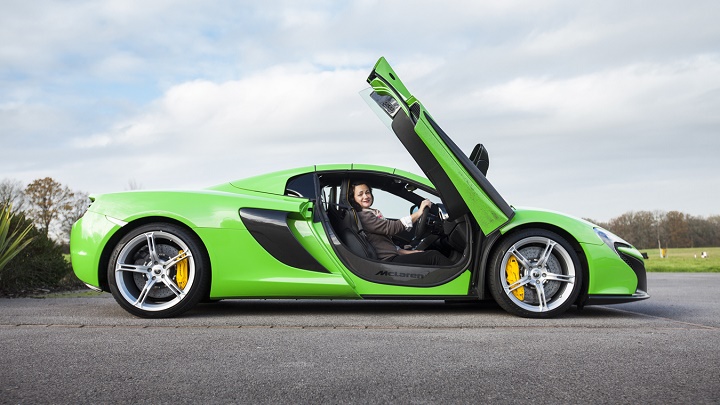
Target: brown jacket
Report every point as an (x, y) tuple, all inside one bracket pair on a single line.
[(379, 232)]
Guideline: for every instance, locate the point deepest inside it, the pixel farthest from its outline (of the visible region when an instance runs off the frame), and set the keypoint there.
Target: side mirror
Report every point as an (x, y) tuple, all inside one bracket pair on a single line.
[(480, 158)]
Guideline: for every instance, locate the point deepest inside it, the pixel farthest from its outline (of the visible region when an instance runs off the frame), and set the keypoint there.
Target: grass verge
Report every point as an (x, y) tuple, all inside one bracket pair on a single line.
[(687, 260)]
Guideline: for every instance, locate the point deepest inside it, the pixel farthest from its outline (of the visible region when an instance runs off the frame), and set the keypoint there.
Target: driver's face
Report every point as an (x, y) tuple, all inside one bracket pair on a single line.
[(363, 196)]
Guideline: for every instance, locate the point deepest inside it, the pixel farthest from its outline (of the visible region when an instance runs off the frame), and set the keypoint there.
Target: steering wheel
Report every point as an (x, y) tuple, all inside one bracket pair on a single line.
[(421, 224)]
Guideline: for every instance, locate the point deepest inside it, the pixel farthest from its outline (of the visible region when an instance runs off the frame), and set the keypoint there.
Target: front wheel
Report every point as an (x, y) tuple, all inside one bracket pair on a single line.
[(535, 274), (158, 270)]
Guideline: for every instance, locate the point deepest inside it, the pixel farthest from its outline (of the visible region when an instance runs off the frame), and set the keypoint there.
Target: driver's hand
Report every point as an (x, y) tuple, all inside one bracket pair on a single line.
[(425, 204)]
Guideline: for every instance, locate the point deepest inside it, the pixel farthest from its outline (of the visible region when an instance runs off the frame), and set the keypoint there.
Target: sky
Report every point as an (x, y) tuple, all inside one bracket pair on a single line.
[(591, 108)]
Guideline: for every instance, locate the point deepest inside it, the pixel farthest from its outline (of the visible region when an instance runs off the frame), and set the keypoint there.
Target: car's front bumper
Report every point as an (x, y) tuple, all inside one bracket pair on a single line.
[(631, 257), (89, 234), (616, 299)]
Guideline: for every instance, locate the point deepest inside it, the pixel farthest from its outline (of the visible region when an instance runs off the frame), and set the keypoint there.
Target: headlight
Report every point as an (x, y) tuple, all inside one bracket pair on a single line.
[(610, 239)]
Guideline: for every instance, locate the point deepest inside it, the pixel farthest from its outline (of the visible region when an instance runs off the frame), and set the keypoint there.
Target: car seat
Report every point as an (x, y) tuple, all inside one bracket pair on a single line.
[(345, 222)]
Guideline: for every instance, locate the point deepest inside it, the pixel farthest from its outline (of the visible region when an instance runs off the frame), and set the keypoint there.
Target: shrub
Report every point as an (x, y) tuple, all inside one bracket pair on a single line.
[(13, 238), (40, 265)]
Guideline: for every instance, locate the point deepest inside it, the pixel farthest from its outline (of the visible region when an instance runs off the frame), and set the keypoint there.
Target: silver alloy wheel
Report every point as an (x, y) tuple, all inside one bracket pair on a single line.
[(547, 274), (146, 271)]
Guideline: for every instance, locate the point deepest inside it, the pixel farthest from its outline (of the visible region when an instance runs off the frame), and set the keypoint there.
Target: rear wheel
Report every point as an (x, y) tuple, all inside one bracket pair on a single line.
[(535, 274), (158, 270)]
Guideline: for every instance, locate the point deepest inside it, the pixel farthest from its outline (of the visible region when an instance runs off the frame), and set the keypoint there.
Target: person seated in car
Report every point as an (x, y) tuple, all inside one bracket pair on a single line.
[(379, 230)]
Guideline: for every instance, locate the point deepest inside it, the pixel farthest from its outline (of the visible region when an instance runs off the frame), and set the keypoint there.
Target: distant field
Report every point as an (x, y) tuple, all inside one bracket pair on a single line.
[(683, 260)]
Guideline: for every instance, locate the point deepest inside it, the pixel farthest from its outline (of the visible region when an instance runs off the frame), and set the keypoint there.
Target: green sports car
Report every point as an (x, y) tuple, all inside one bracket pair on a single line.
[(295, 234)]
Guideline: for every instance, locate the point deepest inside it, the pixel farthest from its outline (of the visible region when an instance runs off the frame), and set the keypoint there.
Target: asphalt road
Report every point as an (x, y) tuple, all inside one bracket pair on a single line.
[(88, 350)]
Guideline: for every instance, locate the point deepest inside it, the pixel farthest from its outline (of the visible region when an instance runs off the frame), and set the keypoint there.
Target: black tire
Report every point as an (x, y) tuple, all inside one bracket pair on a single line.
[(150, 285), (548, 268)]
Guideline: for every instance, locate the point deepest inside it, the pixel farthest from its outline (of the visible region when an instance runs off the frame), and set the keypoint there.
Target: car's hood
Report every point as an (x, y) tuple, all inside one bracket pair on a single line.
[(464, 188)]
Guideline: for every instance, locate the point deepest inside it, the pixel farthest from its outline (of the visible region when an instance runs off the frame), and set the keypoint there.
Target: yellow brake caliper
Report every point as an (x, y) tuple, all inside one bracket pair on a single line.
[(512, 271), (181, 272)]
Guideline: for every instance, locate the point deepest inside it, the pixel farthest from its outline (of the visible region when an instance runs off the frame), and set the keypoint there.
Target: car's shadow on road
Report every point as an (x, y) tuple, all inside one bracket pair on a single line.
[(291, 308), (334, 307), (656, 309)]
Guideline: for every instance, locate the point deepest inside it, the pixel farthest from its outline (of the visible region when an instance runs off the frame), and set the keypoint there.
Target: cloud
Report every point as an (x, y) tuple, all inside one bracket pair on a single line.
[(574, 100), (610, 98), (285, 116)]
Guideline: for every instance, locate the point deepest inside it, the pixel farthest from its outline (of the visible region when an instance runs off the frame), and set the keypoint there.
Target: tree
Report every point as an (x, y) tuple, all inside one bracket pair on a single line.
[(702, 232), (133, 185), (13, 238), (645, 223), (714, 222), (659, 228), (77, 207), (49, 202), (678, 231), (638, 228), (12, 195)]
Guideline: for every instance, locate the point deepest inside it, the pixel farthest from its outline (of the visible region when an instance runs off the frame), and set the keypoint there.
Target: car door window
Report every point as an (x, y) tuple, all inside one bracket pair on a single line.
[(302, 186)]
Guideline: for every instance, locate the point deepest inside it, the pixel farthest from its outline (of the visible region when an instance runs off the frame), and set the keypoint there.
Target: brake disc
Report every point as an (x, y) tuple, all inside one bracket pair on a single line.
[(142, 258), (553, 266)]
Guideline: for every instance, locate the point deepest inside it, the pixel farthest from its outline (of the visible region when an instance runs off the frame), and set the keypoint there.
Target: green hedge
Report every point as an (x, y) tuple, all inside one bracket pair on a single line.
[(41, 265)]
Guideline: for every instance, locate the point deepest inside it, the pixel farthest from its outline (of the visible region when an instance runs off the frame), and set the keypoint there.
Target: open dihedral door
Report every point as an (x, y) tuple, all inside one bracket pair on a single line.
[(463, 187)]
